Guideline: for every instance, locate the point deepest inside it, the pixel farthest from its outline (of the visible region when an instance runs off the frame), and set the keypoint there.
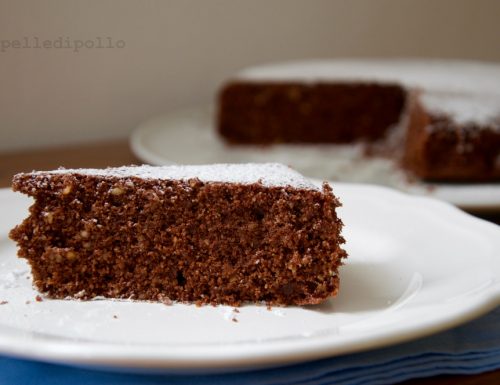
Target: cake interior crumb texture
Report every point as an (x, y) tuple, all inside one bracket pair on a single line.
[(222, 234)]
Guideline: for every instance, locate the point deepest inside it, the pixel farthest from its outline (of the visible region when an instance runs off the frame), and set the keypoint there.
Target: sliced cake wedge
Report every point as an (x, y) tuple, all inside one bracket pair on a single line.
[(219, 234)]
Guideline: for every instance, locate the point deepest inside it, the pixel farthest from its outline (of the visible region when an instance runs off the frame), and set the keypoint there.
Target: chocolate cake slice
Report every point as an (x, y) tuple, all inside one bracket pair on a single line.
[(219, 234)]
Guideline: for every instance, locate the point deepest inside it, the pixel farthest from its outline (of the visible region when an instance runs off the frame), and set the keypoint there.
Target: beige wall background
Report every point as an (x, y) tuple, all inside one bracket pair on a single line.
[(178, 52)]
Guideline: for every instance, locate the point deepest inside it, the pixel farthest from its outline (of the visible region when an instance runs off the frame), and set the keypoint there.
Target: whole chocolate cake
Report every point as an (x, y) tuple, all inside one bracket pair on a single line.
[(440, 119), (219, 234)]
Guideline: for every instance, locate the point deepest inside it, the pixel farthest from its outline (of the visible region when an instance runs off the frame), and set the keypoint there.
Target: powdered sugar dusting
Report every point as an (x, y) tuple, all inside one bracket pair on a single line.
[(465, 109), (268, 174)]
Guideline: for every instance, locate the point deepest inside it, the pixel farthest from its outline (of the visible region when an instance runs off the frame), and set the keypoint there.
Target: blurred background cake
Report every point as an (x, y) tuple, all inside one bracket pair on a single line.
[(441, 118)]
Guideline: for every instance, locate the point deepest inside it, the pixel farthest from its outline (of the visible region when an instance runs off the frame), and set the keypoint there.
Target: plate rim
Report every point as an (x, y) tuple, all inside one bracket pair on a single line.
[(98, 353)]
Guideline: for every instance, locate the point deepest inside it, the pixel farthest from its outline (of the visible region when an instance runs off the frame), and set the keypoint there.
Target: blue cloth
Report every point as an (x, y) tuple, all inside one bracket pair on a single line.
[(468, 349)]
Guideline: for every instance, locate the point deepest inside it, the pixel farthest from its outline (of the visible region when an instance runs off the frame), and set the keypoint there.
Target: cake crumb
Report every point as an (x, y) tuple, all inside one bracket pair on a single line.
[(115, 316), (80, 294), (38, 298), (4, 302), (230, 314), (27, 302), (164, 300)]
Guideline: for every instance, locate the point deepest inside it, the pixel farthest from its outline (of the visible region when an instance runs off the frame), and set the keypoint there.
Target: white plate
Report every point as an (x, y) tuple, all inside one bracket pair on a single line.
[(416, 266), (189, 137)]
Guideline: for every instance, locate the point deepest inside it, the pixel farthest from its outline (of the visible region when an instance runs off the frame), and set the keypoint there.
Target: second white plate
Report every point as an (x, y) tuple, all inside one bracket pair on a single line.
[(189, 137)]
